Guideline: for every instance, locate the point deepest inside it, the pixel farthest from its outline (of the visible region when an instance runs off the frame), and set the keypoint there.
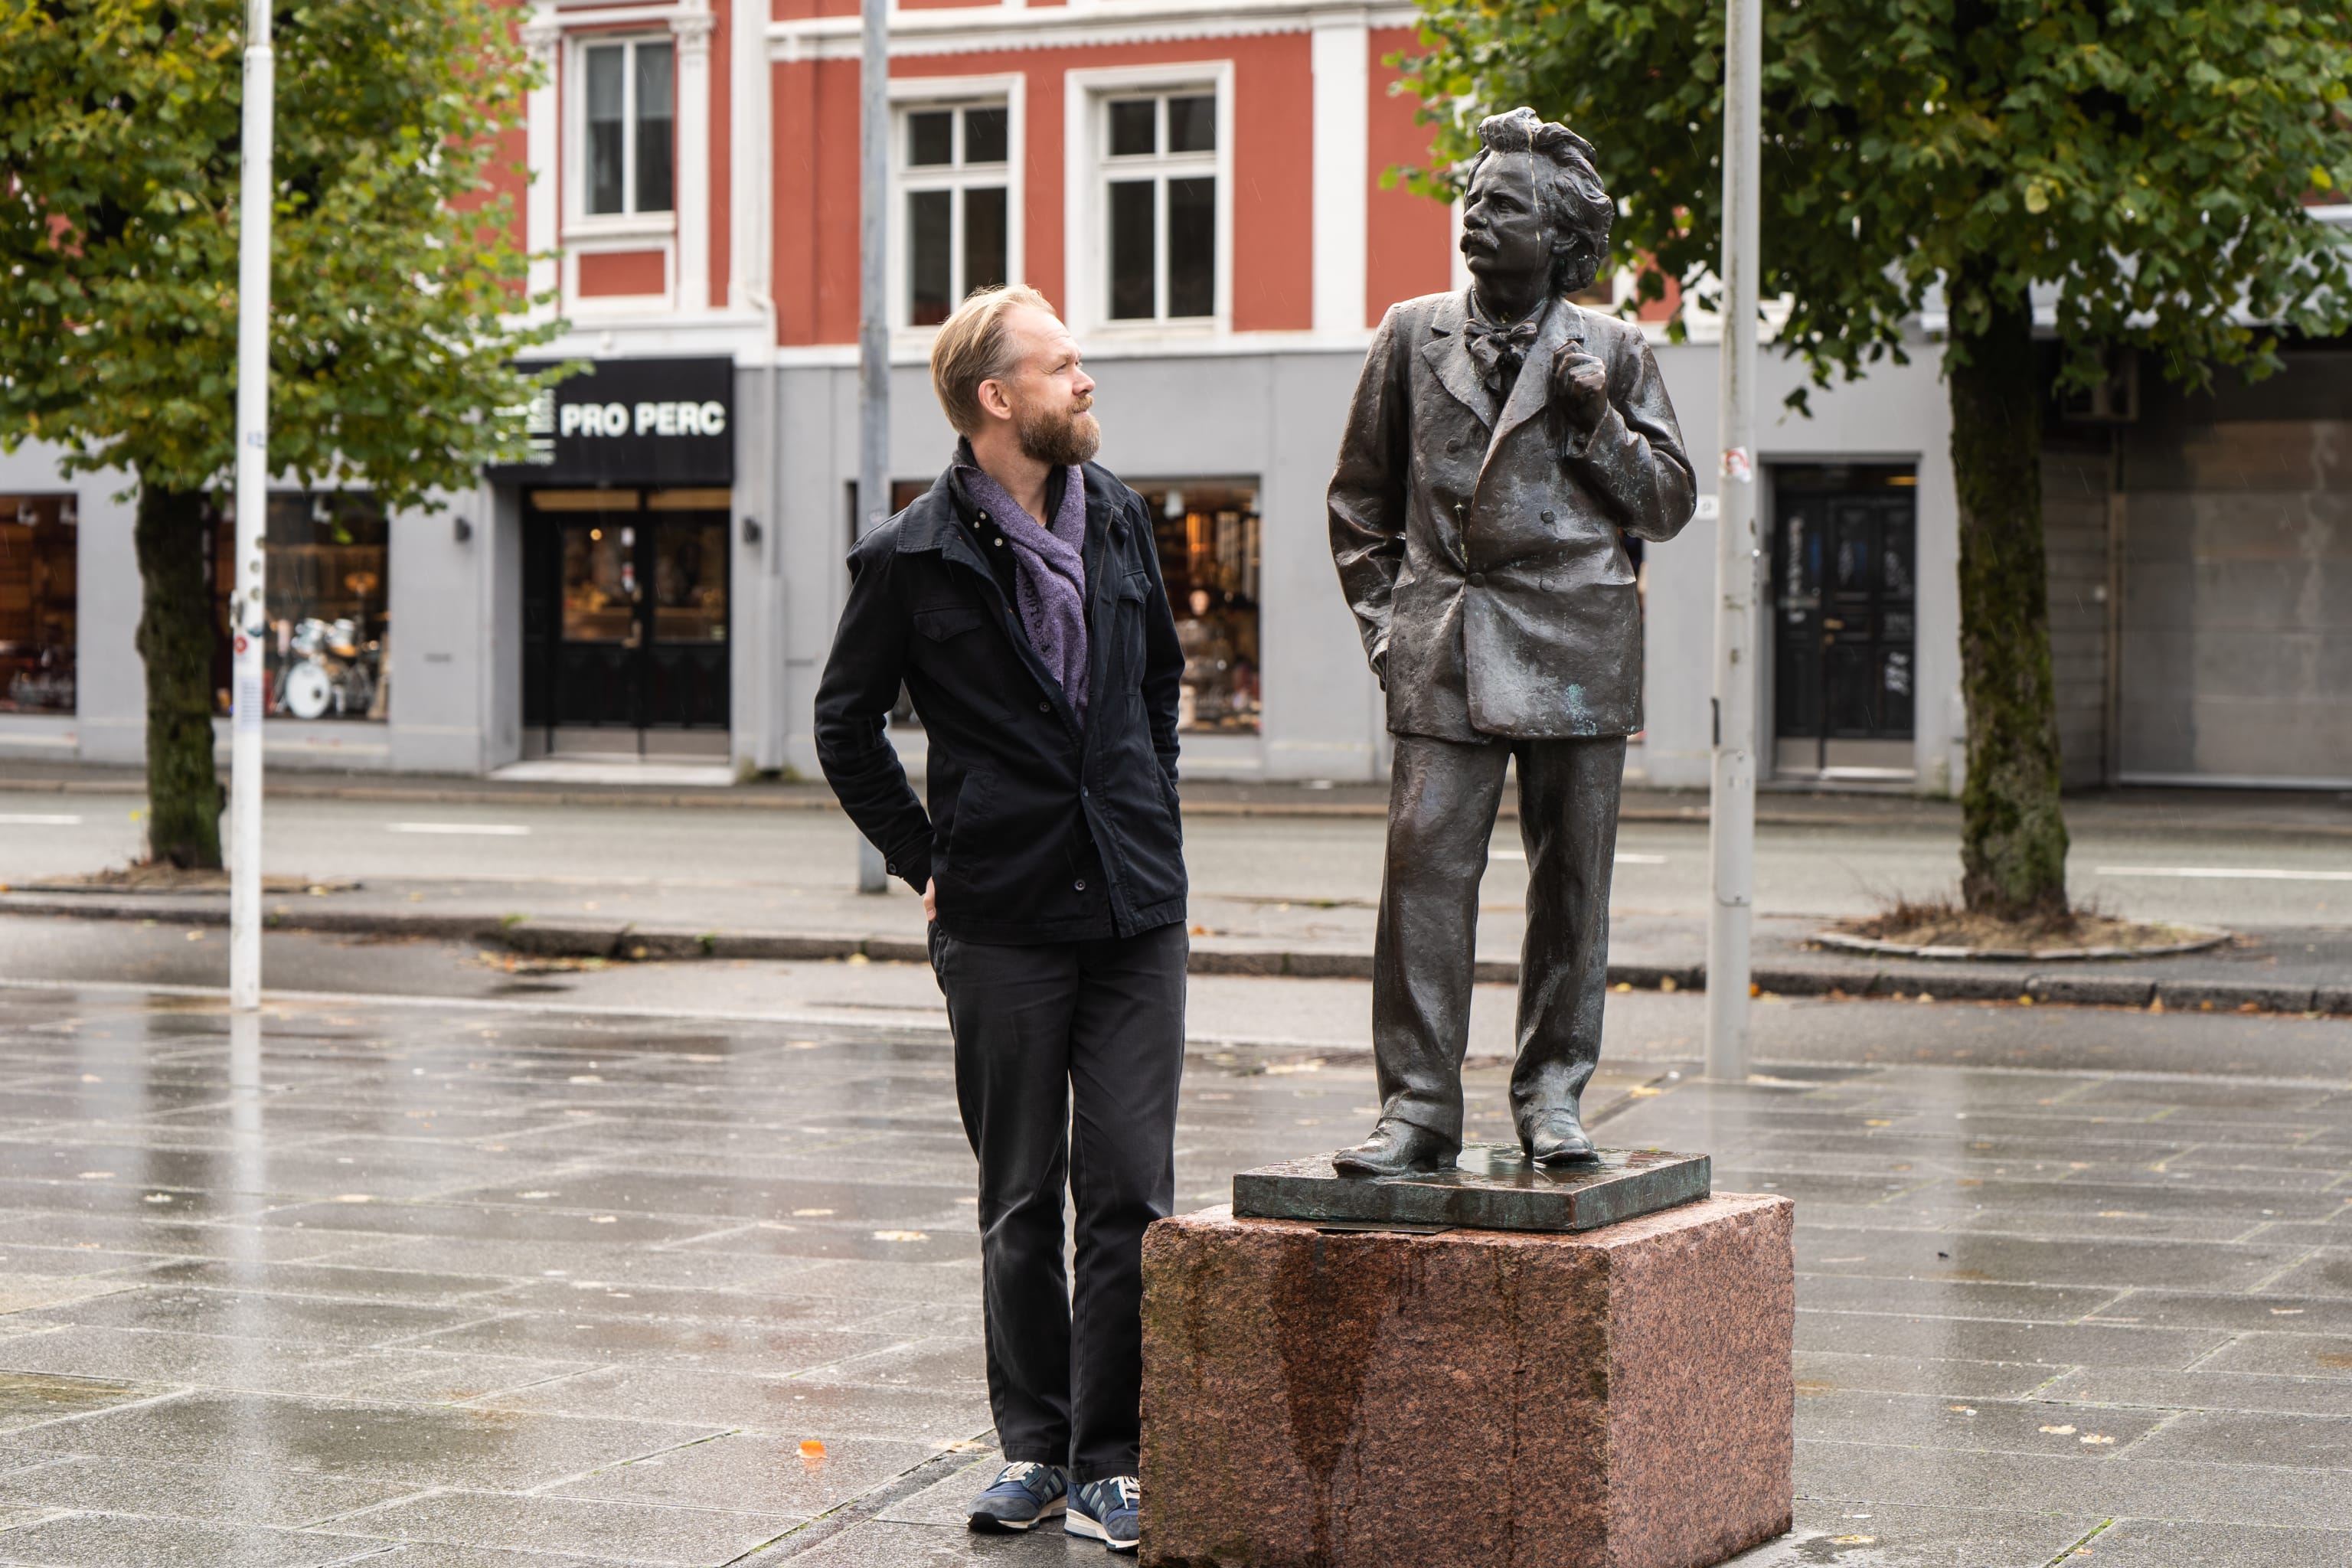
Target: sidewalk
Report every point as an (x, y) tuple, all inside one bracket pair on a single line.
[(2279, 970), (461, 1286), (2303, 813)]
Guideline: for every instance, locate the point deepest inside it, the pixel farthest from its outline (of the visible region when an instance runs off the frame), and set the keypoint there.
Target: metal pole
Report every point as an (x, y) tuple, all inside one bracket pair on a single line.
[(1731, 818), (246, 611), (873, 316)]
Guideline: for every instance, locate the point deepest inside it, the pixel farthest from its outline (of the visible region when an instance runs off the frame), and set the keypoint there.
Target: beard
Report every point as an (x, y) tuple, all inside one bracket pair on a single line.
[(1065, 437)]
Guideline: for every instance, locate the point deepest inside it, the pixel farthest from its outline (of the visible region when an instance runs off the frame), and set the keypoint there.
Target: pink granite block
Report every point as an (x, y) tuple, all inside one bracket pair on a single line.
[(1617, 1398)]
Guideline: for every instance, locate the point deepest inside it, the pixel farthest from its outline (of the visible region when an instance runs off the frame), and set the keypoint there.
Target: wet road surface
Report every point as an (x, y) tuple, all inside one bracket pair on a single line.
[(431, 1283)]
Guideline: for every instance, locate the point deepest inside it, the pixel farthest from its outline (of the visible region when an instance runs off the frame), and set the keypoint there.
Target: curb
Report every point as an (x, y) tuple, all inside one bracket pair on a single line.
[(627, 944)]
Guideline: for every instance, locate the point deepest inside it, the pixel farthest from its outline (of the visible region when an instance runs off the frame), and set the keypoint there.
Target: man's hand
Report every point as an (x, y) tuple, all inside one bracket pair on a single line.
[(932, 900), (1580, 388)]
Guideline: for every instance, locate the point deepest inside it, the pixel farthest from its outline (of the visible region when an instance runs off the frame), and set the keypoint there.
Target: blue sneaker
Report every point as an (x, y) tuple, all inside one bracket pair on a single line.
[(1021, 1496), (1108, 1510)]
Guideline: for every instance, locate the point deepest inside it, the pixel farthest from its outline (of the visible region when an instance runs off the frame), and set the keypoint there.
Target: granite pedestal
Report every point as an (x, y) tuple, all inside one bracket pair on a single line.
[(1618, 1397)]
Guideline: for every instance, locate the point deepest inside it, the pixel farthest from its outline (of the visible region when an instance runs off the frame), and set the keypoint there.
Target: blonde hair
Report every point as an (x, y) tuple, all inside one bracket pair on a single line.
[(974, 345)]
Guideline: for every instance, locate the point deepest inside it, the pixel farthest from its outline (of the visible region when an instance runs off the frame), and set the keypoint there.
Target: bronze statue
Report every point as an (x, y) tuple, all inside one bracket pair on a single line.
[(1501, 443)]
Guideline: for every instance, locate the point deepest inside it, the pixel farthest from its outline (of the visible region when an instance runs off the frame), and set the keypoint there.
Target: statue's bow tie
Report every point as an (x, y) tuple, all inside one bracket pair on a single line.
[(1498, 352)]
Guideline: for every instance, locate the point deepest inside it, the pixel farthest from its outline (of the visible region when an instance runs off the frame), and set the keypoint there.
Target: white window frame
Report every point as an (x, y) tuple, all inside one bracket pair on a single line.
[(911, 94), (1088, 173), (578, 221)]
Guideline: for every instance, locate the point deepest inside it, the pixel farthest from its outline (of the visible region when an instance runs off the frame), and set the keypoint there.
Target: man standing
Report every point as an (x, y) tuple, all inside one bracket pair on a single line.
[(1020, 604), (1501, 444)]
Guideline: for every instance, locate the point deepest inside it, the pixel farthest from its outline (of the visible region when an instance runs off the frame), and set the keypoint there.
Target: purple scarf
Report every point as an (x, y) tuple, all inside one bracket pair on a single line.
[(1050, 574)]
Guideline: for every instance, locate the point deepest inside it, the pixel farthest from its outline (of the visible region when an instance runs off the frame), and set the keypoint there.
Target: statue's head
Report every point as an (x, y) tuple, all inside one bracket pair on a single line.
[(1535, 201)]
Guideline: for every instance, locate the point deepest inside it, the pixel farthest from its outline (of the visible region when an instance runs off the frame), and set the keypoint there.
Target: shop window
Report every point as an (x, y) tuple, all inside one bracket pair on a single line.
[(37, 604), (630, 115), (1209, 537), (954, 169), (1159, 205), (325, 592)]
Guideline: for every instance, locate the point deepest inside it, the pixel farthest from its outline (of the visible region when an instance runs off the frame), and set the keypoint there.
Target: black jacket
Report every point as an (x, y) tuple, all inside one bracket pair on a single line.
[(1039, 829)]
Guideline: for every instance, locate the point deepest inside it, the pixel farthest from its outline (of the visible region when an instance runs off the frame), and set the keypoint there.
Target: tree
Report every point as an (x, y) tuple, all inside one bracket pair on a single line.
[(395, 285), (2143, 166)]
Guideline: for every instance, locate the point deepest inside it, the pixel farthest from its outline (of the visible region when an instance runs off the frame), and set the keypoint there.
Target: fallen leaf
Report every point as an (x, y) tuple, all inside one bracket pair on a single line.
[(2060, 1431), (2093, 1440), (811, 1450), (1852, 1540)]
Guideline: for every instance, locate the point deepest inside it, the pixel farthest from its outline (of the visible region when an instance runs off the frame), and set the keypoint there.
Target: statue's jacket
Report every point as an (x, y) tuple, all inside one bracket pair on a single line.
[(1480, 541)]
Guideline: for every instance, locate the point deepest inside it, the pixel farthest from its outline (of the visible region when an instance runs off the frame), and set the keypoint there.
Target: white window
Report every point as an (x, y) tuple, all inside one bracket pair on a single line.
[(955, 167), (1159, 171), (628, 108)]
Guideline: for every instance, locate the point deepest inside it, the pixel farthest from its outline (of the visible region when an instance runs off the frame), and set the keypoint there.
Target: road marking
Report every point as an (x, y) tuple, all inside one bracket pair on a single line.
[(479, 829), (1623, 858), (2227, 873), (39, 819)]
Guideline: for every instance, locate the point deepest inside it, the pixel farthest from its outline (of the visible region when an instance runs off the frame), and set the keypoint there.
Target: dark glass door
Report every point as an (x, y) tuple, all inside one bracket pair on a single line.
[(625, 611), (1844, 582)]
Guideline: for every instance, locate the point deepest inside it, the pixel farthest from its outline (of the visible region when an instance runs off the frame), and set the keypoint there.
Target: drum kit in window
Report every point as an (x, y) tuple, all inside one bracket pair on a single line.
[(329, 668)]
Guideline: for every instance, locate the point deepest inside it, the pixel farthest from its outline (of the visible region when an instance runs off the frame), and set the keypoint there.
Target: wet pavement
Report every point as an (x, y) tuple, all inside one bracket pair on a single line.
[(438, 1281)]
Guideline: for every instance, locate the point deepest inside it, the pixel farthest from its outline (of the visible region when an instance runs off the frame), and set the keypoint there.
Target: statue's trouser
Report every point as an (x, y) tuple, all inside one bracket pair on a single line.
[(1443, 797)]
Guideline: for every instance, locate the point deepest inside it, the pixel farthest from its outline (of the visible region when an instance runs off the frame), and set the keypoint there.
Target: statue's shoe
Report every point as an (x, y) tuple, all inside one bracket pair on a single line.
[(1557, 1138), (1397, 1149)]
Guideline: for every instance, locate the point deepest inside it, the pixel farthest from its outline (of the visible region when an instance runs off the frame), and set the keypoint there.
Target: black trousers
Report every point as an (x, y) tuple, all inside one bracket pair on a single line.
[(1443, 798), (1067, 1060)]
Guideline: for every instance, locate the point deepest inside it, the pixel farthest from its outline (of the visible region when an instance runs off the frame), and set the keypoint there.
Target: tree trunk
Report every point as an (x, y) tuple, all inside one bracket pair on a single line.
[(2013, 833), (175, 645)]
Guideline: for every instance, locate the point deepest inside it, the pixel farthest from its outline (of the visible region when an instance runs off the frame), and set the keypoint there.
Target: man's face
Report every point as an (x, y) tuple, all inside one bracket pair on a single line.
[(1504, 232), (1049, 392)]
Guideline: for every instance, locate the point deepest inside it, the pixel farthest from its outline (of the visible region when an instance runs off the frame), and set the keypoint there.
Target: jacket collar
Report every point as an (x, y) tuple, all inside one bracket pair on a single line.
[(1563, 324), (1448, 354)]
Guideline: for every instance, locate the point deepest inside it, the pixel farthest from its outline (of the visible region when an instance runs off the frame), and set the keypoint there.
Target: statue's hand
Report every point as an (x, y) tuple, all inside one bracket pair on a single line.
[(1580, 388)]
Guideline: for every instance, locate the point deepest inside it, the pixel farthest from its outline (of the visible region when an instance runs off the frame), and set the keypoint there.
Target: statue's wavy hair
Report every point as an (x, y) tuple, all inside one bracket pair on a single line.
[(1575, 206)]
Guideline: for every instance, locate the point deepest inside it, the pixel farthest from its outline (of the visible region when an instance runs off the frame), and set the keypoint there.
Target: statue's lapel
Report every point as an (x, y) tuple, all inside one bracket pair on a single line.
[(1564, 325), (1449, 357)]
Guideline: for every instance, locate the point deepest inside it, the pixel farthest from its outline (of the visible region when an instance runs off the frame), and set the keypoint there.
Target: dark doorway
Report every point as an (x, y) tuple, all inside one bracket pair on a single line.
[(1844, 598), (626, 618)]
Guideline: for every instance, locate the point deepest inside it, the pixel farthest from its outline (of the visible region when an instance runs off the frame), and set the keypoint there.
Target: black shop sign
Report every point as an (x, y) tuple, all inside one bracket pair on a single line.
[(633, 422)]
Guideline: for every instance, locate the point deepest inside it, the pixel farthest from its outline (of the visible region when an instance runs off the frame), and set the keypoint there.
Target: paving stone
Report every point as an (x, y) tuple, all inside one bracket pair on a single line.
[(2159, 1543), (375, 1554), (2288, 1356), (792, 1407), (1830, 1372), (2302, 1314), (2157, 1488), (1901, 1535), (2037, 1426), (421, 1445), (2062, 1344), (113, 1540), (947, 1502), (29, 1398), (2199, 1389), (335, 1281), (877, 1544), (658, 1341), (223, 1487), (766, 1475), (257, 1315), (688, 1537), (2295, 1442), (152, 1356)]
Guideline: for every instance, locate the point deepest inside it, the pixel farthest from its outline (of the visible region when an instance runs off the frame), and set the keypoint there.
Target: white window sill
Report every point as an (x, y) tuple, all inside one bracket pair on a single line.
[(620, 226)]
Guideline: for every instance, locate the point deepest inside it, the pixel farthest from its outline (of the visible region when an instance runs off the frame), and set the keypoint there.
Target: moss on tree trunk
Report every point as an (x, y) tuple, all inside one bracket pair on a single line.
[(175, 647), (2013, 833)]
